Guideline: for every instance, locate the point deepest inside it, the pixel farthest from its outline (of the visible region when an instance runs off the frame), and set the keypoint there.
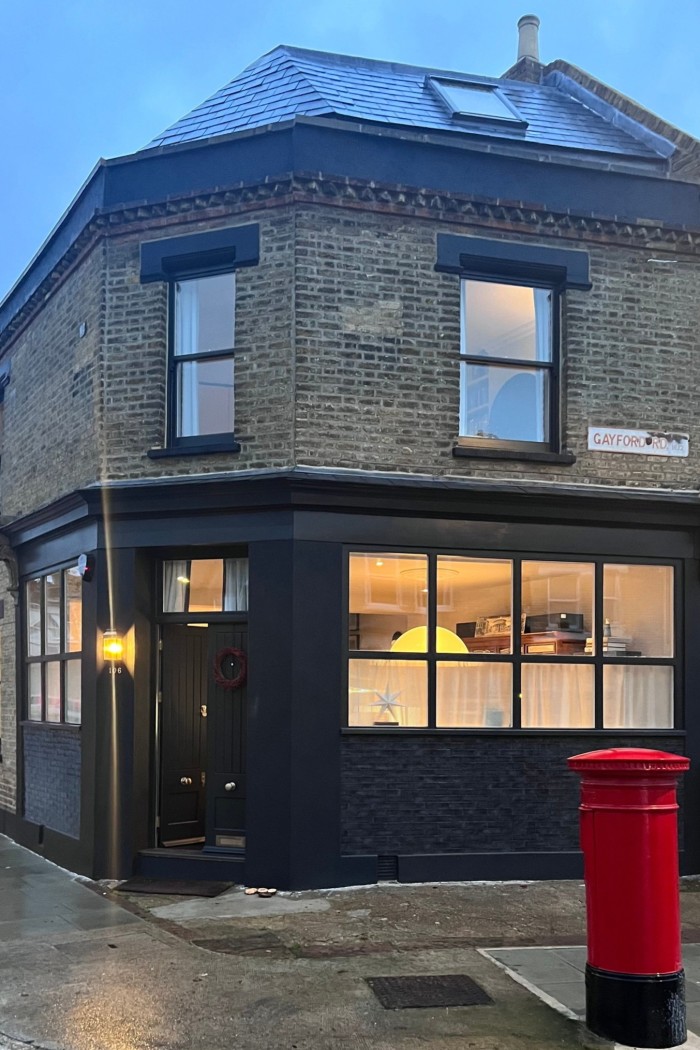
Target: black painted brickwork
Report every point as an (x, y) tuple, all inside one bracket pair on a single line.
[(465, 794), (52, 778)]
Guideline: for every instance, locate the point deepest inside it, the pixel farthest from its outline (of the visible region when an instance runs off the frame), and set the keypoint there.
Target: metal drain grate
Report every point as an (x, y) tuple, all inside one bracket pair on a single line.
[(410, 993)]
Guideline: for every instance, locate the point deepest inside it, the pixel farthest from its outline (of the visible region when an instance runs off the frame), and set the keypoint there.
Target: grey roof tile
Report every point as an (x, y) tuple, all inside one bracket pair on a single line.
[(291, 81)]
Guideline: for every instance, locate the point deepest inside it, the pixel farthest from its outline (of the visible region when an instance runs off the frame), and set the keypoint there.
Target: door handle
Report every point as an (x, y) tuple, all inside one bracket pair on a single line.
[(231, 786), (203, 710), (186, 781)]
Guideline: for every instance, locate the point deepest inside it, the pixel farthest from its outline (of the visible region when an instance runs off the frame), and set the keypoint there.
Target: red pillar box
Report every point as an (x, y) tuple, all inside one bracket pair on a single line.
[(635, 991)]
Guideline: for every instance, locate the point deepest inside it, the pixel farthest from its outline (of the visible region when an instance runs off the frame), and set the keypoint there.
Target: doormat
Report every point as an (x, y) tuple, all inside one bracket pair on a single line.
[(407, 993), (174, 887)]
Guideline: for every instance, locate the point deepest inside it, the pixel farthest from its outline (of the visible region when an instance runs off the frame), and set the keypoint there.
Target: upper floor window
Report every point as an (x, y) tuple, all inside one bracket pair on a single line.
[(54, 625), (201, 363), (508, 367), (510, 302), (200, 269)]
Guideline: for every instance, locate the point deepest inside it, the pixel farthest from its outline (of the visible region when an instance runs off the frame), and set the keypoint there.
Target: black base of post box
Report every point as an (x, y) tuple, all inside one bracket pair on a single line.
[(634, 1010)]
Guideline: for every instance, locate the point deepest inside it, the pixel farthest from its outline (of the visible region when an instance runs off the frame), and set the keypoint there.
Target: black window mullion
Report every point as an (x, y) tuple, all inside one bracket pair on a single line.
[(508, 362), (598, 633), (432, 639), (43, 648), (62, 647), (554, 393), (517, 643)]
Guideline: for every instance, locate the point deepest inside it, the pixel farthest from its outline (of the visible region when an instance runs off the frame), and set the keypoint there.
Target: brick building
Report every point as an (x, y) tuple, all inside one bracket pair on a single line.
[(349, 479)]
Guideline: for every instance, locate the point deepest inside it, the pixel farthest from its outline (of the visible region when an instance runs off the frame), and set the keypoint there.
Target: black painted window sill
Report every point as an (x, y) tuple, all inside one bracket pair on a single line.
[(406, 731), (33, 723), (473, 452), (194, 450)]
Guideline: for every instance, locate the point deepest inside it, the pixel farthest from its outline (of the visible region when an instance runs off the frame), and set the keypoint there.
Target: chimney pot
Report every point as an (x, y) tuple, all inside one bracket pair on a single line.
[(528, 45)]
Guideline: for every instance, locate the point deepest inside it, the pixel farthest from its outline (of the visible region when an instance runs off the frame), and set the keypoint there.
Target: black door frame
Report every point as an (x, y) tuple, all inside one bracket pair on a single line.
[(229, 619)]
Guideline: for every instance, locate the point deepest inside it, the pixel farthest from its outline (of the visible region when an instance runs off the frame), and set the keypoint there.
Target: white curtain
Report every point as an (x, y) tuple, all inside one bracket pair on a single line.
[(543, 351), (557, 696), (388, 692), (173, 590), (638, 697), (236, 585), (474, 694), (187, 342)]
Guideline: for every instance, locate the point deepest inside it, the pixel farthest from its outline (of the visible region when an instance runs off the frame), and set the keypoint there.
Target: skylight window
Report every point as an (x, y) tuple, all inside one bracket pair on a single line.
[(476, 102)]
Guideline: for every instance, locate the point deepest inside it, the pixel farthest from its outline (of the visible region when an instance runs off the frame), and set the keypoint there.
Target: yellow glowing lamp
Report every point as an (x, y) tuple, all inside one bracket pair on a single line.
[(112, 646), (416, 641)]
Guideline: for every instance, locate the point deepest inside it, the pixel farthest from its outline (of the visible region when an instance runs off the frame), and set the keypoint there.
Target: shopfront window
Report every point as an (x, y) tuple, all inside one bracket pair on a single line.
[(456, 641)]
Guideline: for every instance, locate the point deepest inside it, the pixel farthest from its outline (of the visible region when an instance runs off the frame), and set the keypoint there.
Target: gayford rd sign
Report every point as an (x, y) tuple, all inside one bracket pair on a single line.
[(637, 442)]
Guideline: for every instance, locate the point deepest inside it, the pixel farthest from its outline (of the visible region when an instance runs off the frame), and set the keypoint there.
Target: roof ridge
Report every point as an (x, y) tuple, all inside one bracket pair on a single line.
[(609, 113)]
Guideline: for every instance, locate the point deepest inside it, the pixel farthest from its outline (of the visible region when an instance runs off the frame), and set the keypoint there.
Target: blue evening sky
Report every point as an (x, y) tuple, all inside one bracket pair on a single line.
[(84, 79)]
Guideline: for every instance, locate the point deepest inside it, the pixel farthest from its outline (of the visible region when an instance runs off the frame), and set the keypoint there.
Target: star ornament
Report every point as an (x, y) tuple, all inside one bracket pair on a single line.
[(386, 702)]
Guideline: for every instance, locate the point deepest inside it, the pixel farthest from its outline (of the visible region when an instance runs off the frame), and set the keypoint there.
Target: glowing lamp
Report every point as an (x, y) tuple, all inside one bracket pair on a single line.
[(416, 641), (112, 646)]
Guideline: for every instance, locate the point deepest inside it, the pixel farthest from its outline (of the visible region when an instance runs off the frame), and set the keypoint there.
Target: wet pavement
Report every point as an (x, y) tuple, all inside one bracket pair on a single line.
[(84, 968)]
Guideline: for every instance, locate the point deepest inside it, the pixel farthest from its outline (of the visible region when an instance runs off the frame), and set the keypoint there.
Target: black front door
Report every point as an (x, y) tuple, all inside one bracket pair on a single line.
[(203, 725), (183, 727), (226, 779)]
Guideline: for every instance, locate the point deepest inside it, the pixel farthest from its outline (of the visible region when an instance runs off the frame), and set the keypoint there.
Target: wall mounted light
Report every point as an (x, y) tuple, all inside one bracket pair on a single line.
[(112, 647)]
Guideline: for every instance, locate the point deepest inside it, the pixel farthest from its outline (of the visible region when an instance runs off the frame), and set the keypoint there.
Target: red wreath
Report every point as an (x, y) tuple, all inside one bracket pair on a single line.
[(219, 676)]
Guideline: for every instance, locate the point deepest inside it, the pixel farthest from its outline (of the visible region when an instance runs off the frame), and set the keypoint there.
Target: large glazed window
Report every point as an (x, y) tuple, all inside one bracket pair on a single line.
[(507, 362), (456, 641), (53, 645)]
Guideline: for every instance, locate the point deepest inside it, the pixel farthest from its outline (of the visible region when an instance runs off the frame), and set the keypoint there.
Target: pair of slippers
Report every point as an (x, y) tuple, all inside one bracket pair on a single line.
[(262, 891)]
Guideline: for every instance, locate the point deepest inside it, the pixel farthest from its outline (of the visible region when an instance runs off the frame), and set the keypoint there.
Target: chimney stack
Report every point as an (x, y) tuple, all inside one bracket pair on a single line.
[(528, 46)]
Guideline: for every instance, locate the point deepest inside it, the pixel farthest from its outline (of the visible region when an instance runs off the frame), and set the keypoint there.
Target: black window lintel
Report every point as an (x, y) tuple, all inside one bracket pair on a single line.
[(196, 254), (562, 267)]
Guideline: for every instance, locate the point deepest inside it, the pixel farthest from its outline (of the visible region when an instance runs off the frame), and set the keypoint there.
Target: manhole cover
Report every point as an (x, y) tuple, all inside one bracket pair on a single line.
[(404, 993)]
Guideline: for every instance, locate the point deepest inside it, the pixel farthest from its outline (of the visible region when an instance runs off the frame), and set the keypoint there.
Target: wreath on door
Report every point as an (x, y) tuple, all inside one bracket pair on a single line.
[(233, 661)]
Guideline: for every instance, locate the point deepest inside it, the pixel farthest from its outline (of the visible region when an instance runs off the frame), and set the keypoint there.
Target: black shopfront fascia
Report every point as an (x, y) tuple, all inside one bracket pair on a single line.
[(509, 262), (188, 257), (517, 658)]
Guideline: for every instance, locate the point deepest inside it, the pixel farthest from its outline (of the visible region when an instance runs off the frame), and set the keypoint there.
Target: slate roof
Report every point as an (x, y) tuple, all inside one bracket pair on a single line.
[(291, 81)]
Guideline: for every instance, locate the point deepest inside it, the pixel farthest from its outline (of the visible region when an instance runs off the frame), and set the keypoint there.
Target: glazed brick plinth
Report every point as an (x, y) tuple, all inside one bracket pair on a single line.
[(466, 794), (52, 777)]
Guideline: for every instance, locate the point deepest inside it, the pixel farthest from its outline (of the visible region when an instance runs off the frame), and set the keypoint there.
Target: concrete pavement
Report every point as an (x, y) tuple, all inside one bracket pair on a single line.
[(79, 972)]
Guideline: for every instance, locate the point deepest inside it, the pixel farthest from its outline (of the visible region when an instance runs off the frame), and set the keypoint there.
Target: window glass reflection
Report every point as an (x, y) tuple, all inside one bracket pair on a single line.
[(52, 613), (388, 599), (636, 697), (388, 693), (33, 593), (506, 321), (557, 696), (74, 611), (53, 691), (638, 610), (474, 694), (474, 600), (35, 692), (557, 602)]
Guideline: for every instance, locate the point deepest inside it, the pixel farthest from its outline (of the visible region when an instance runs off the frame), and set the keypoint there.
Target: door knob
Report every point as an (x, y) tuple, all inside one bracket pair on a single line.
[(231, 786), (185, 781)]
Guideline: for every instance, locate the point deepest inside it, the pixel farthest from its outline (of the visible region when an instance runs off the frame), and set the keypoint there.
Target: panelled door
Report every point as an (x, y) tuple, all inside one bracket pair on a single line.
[(183, 727), (202, 735), (226, 753)]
